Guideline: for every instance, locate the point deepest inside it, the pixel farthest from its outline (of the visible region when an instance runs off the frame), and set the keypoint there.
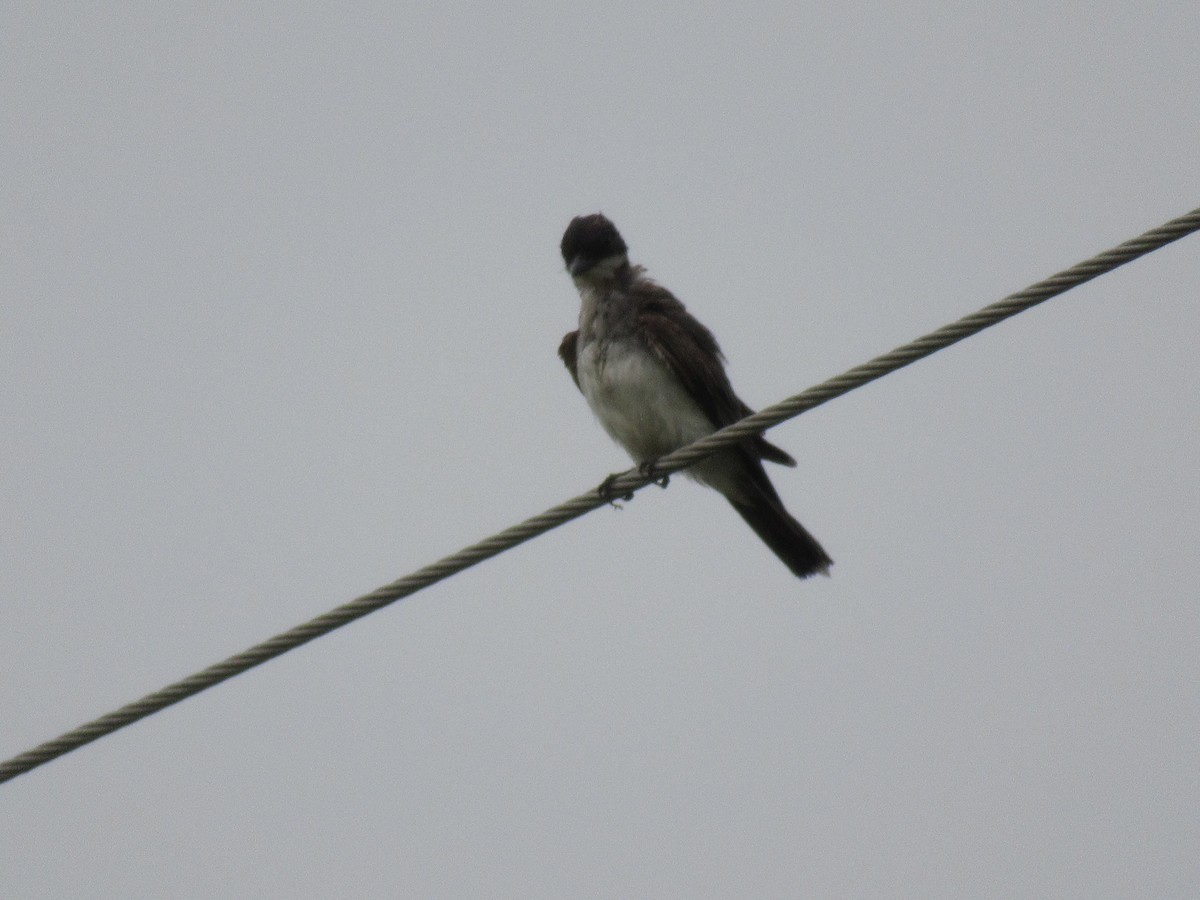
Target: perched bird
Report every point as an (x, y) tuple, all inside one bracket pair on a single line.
[(655, 378)]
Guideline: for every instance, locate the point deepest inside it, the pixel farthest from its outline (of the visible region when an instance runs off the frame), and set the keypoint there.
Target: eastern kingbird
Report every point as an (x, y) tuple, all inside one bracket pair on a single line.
[(655, 378)]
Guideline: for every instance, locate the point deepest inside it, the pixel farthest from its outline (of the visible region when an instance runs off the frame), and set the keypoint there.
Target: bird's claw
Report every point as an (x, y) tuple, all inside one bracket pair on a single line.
[(606, 492), (650, 469)]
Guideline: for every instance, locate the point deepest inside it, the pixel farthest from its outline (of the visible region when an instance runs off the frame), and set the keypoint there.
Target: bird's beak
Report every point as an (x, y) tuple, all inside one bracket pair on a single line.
[(577, 266)]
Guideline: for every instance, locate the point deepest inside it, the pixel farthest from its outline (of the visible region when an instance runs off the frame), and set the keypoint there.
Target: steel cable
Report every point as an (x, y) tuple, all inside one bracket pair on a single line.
[(624, 485)]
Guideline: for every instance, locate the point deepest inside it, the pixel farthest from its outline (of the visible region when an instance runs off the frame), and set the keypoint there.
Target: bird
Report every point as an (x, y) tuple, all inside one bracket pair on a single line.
[(655, 379)]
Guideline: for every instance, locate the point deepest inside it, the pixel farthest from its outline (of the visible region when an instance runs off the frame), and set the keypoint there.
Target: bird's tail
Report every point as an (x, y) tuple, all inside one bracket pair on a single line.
[(786, 537)]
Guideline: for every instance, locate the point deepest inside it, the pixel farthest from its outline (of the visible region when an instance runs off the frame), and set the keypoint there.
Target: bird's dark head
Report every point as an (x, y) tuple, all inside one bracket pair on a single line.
[(593, 244)]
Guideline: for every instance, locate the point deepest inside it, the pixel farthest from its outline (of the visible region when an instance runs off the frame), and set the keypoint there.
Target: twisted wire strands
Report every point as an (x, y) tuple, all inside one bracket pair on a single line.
[(624, 485)]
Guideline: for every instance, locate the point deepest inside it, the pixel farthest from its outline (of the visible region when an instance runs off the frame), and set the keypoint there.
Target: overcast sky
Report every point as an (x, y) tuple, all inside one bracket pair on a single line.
[(281, 296)]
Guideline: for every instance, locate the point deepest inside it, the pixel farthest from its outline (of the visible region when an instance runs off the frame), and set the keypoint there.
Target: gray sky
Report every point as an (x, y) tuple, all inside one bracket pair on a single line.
[(280, 304)]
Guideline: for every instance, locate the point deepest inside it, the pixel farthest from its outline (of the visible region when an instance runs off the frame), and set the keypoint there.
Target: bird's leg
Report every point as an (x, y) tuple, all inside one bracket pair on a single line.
[(650, 469), (647, 468), (605, 490)]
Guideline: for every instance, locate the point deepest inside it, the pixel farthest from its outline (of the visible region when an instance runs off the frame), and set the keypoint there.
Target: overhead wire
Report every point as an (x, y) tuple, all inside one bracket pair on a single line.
[(623, 485)]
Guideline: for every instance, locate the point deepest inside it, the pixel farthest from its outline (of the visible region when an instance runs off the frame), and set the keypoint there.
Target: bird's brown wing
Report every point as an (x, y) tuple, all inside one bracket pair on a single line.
[(568, 351), (693, 356)]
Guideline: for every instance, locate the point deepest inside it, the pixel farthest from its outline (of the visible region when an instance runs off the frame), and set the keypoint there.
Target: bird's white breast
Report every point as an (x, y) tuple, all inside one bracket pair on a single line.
[(638, 400)]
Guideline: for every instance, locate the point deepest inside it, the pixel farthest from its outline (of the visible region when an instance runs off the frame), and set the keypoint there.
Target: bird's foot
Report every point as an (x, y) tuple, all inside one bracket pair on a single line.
[(606, 492), (650, 469)]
